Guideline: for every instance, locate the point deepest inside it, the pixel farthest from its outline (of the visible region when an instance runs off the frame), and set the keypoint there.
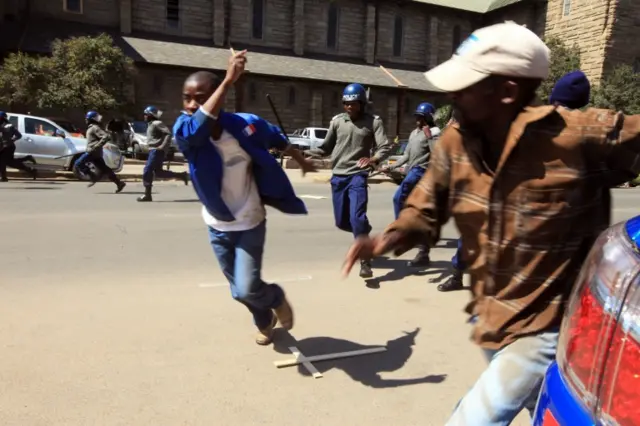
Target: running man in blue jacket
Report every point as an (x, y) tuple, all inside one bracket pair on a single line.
[(234, 175)]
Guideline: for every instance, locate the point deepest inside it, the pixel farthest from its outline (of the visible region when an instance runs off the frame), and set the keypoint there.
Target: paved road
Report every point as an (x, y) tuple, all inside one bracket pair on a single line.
[(115, 313)]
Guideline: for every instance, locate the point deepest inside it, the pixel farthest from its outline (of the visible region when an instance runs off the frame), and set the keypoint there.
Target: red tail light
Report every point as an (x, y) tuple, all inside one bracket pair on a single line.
[(599, 352)]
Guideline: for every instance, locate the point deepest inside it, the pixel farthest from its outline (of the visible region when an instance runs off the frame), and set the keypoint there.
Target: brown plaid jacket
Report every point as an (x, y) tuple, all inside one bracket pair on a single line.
[(527, 227)]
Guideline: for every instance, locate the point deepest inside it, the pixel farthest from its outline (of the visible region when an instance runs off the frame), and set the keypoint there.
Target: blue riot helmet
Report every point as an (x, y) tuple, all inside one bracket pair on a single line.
[(93, 116), (425, 109), (354, 93), (152, 111), (3, 116)]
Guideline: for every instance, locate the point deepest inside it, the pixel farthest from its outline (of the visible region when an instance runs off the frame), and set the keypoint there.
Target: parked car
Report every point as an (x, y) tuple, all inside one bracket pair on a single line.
[(308, 138), (68, 127), (398, 174), (53, 147), (139, 148), (596, 377)]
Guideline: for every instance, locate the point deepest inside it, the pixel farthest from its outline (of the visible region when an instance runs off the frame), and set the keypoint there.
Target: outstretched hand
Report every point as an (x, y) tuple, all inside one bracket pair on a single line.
[(237, 63), (365, 248)]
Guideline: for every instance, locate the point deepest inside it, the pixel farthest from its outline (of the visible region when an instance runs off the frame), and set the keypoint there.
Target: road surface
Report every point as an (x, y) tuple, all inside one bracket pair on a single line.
[(114, 312)]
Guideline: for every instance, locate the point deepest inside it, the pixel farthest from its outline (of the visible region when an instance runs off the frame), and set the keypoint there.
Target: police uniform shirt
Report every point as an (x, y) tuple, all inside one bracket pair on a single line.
[(158, 136), (348, 141)]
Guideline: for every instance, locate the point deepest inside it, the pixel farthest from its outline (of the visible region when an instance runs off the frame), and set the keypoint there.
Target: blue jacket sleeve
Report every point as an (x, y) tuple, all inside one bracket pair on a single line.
[(192, 131)]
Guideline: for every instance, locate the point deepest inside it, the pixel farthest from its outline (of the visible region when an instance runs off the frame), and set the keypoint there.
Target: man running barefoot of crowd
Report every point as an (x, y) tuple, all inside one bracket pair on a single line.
[(528, 188)]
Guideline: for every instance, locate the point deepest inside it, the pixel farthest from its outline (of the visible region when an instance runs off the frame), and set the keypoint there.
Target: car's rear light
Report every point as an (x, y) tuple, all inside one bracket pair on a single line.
[(591, 325), (620, 392)]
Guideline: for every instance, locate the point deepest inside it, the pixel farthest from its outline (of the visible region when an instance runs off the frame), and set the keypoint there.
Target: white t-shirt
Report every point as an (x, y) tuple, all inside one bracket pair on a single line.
[(239, 189)]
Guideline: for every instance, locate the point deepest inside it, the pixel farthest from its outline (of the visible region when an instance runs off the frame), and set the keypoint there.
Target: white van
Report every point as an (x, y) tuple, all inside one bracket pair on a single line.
[(47, 141)]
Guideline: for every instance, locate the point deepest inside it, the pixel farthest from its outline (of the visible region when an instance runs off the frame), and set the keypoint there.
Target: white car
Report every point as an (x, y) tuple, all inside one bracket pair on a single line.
[(139, 148), (53, 147), (308, 138)]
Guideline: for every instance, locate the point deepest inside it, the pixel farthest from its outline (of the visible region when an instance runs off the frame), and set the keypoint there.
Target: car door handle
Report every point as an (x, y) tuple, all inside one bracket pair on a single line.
[(28, 139)]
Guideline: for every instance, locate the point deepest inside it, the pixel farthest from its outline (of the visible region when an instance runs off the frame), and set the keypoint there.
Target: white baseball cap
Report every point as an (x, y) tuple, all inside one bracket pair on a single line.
[(506, 49)]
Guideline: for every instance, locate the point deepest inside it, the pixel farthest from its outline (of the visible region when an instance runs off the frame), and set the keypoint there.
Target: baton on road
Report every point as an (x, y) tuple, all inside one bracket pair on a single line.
[(275, 112), (70, 155)]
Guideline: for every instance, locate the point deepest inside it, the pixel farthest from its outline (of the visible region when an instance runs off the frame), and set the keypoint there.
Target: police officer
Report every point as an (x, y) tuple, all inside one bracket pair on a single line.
[(352, 138), (159, 139), (96, 139), (8, 137), (416, 156)]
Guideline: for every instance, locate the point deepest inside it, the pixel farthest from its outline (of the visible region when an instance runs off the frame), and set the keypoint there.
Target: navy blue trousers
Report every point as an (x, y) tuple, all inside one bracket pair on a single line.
[(153, 168), (456, 260), (405, 188), (350, 197)]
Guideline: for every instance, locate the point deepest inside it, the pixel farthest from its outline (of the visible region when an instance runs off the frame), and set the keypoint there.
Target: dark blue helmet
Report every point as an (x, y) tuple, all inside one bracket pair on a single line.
[(92, 116), (354, 93), (152, 111), (3, 115), (425, 109)]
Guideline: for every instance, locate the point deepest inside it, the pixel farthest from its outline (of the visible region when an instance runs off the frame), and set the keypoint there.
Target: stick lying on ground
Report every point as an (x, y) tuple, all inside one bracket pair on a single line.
[(302, 359)]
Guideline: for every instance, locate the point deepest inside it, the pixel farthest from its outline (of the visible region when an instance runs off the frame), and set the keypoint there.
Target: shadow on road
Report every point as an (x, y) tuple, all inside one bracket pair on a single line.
[(36, 188), (122, 193), (39, 181), (365, 369), (188, 200), (400, 270)]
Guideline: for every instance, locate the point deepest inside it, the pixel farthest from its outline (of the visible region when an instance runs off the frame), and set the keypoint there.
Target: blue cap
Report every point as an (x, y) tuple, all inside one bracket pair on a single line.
[(354, 93), (92, 115), (572, 91), (3, 114), (425, 109), (152, 111)]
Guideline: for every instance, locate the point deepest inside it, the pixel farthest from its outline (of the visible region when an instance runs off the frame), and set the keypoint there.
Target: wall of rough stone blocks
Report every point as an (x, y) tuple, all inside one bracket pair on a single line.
[(351, 27), (415, 35), (588, 26), (196, 18), (98, 12), (624, 47), (278, 25)]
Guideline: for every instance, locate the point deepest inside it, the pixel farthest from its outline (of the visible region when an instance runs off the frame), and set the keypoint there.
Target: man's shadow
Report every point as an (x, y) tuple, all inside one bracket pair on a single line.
[(365, 369)]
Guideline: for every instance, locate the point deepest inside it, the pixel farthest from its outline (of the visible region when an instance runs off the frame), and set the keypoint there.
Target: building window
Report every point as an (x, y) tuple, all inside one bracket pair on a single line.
[(335, 99), (456, 38), (257, 25), (292, 95), (252, 92), (398, 35), (173, 13), (636, 65), (332, 26), (566, 7), (73, 6)]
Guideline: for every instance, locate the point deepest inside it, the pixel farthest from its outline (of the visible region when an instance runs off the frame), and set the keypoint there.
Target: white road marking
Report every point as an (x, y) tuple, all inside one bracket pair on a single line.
[(313, 197), (275, 280)]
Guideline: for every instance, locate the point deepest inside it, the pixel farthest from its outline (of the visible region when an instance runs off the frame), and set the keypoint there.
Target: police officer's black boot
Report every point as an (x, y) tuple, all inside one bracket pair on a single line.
[(421, 260), (33, 172), (185, 178), (147, 195), (454, 283), (365, 269), (120, 186)]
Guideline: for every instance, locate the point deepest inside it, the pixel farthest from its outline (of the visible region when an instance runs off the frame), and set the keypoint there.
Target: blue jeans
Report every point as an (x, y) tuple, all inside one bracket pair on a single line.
[(456, 260), (408, 183), (240, 257), (350, 198), (511, 382), (153, 168)]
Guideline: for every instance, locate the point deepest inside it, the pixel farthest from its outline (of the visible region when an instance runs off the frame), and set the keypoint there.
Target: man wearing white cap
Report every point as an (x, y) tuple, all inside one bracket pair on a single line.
[(527, 187)]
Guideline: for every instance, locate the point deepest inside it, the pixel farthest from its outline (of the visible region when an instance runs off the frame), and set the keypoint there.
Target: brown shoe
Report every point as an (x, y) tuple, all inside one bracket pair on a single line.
[(285, 314), (265, 336)]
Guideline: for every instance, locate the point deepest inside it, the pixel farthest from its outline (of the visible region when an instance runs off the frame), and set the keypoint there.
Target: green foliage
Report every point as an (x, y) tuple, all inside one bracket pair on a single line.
[(443, 115), (82, 72), (563, 60), (619, 91), (23, 79)]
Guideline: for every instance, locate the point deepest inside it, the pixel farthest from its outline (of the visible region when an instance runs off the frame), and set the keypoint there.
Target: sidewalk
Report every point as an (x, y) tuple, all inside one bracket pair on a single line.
[(132, 172)]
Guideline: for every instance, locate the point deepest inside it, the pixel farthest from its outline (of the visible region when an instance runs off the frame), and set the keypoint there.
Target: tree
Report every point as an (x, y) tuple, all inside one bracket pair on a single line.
[(23, 79), (619, 91), (563, 60), (443, 115), (88, 73)]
